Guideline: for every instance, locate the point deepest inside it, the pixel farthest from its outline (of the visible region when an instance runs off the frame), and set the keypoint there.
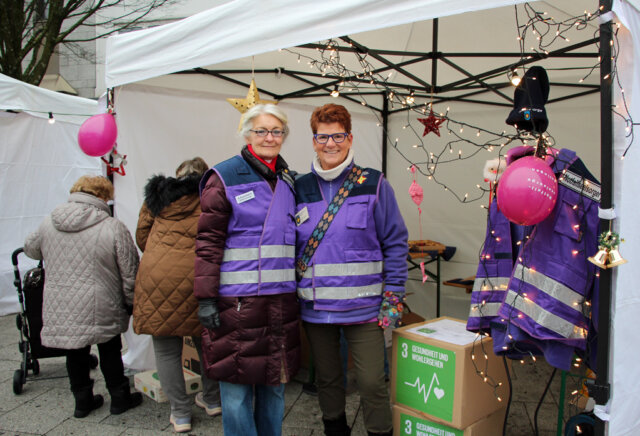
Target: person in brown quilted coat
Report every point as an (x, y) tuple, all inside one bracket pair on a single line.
[(90, 261), (164, 305)]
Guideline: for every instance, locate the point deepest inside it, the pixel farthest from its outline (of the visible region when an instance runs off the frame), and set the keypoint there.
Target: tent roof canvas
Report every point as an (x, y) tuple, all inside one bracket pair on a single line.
[(246, 27), (19, 96), (457, 59)]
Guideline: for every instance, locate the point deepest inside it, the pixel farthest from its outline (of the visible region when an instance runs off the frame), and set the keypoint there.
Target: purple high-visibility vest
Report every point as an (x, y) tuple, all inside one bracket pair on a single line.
[(494, 271), (343, 281), (260, 246), (551, 286)]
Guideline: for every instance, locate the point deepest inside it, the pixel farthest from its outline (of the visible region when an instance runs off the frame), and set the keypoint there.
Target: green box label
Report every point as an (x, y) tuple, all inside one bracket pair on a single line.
[(412, 426), (426, 378)]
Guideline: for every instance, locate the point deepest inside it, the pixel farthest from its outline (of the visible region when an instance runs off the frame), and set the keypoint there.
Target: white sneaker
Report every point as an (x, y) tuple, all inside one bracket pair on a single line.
[(212, 410), (180, 425)]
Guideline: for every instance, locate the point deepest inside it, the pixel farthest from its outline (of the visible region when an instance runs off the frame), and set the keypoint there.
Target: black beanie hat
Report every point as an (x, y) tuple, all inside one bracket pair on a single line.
[(529, 99)]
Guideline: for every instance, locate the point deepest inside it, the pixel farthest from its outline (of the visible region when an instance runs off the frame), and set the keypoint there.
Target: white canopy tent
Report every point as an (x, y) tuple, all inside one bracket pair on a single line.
[(164, 117), (185, 114), (39, 162)]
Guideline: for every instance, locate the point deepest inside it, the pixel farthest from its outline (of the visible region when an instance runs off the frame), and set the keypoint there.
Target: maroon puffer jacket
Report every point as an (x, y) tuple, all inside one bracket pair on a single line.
[(259, 338)]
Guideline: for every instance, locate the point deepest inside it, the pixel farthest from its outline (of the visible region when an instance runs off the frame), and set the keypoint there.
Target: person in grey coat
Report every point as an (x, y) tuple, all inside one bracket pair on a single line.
[(91, 263)]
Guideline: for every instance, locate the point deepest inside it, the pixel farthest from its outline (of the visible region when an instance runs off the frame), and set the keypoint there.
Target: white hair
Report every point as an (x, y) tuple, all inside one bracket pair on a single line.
[(246, 123)]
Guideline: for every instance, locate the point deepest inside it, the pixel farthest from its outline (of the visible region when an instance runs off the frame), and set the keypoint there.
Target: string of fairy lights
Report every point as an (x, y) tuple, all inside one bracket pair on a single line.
[(366, 81), (623, 113), (542, 27), (540, 33)]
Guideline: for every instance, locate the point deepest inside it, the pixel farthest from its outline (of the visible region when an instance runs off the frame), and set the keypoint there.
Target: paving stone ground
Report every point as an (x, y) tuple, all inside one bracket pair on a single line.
[(45, 407)]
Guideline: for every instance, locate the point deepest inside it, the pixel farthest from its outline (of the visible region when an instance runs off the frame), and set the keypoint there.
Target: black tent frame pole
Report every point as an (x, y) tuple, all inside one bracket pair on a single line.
[(434, 60), (600, 389), (385, 123)]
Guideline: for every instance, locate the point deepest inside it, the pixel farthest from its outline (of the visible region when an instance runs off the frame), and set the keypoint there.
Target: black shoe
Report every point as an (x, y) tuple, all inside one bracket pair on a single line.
[(122, 399), (310, 389), (86, 402), (336, 427)]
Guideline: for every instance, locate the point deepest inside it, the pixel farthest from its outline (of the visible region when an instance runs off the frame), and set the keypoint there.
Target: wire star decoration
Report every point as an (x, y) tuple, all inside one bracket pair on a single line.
[(432, 123)]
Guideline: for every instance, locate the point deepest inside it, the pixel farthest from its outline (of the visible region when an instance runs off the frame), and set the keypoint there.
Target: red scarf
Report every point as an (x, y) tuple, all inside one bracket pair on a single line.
[(271, 166)]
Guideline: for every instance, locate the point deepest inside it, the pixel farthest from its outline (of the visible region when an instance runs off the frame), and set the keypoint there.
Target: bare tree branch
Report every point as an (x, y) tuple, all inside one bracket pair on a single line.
[(31, 30)]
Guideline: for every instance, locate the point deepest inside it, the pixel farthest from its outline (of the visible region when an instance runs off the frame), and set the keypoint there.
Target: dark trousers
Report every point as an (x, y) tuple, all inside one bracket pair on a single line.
[(366, 343), (79, 364)]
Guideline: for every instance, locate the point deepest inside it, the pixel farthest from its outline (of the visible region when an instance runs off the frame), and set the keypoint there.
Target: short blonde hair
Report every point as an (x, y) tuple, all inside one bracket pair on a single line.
[(98, 186), (195, 166)]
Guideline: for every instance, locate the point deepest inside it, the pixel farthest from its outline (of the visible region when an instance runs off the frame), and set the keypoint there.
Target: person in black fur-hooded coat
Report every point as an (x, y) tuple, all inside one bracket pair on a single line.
[(164, 305)]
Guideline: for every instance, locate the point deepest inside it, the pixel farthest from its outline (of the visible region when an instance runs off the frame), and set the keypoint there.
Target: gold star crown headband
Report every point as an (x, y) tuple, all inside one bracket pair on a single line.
[(252, 99)]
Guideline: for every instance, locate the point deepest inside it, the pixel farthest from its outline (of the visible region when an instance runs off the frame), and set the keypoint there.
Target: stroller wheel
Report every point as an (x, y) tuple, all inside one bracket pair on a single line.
[(18, 381), (93, 364), (22, 346), (35, 366)]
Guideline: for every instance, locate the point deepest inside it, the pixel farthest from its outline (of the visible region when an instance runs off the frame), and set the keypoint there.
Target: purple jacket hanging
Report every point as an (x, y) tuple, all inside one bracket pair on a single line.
[(550, 291)]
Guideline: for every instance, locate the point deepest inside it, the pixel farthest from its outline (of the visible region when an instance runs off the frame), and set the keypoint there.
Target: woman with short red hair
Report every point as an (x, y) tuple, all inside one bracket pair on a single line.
[(351, 247)]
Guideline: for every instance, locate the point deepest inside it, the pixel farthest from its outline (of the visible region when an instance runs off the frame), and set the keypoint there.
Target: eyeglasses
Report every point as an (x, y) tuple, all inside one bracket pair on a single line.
[(276, 133), (323, 138)]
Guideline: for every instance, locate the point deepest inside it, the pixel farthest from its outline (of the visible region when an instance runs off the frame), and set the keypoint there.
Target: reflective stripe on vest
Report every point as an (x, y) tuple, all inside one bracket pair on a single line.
[(255, 277), (486, 309), (265, 251), (488, 288), (341, 293), (489, 284), (543, 317), (550, 287), (343, 269)]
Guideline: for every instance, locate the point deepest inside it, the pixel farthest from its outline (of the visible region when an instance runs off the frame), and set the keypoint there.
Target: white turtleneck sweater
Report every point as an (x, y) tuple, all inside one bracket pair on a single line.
[(331, 174)]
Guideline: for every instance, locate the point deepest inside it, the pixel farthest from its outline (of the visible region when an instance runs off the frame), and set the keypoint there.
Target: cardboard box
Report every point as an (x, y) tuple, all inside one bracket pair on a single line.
[(190, 358), (407, 318), (435, 374), (148, 383), (408, 423)]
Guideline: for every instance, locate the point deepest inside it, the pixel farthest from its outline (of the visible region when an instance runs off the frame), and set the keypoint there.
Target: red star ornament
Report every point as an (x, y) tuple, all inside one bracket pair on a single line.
[(432, 123)]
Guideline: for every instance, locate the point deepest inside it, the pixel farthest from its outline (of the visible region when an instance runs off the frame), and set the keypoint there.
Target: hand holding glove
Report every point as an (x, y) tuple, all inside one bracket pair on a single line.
[(208, 313), (390, 315)]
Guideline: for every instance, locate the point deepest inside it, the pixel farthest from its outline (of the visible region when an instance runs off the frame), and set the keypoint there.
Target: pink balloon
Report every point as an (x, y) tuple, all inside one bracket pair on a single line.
[(527, 191), (416, 193), (97, 134)]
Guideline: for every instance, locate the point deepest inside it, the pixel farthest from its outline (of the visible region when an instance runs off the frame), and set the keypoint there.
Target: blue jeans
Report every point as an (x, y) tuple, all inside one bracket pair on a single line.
[(252, 410)]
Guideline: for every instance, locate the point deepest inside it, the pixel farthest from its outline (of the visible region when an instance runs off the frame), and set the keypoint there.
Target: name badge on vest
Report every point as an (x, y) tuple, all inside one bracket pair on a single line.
[(302, 216), (245, 197)]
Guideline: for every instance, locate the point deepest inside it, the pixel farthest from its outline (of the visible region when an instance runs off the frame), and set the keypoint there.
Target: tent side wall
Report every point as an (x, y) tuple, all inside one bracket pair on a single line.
[(160, 127), (39, 162), (624, 409)]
